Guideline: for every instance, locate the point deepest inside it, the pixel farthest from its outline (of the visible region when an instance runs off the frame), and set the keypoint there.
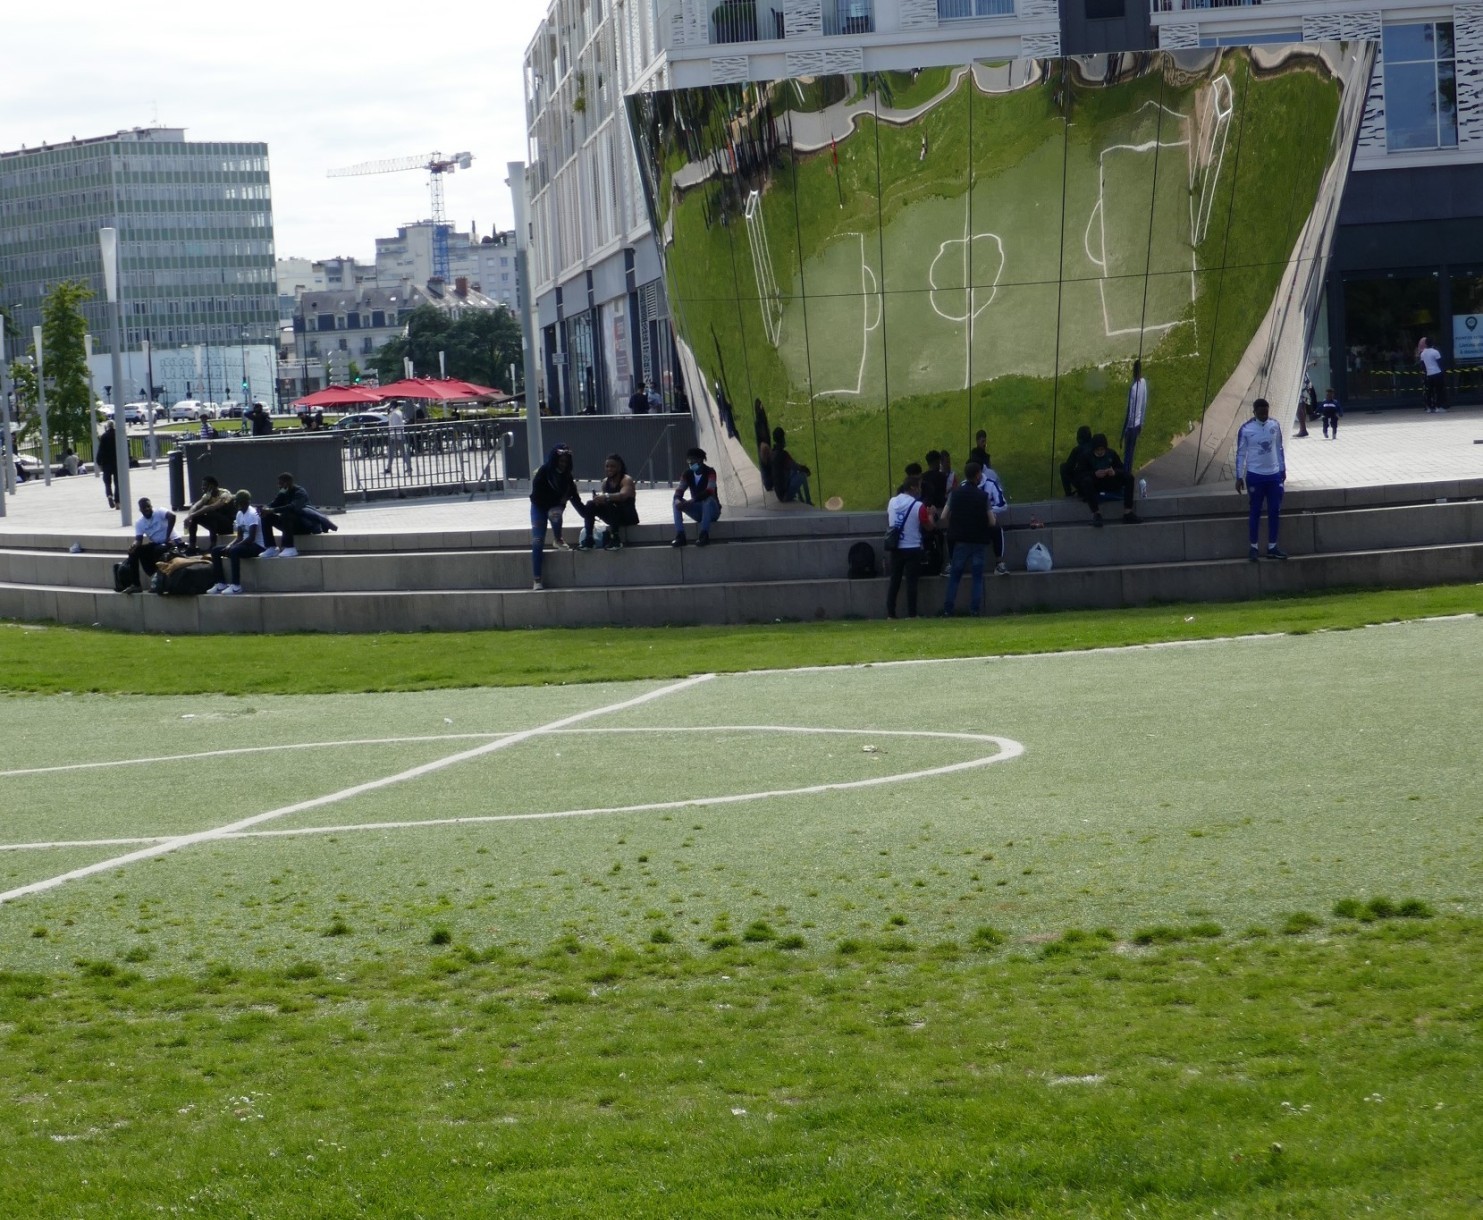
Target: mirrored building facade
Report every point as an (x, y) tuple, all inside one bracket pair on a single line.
[(886, 263)]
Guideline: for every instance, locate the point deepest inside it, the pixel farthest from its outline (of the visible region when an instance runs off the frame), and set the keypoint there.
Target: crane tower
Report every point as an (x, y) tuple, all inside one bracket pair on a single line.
[(436, 166)]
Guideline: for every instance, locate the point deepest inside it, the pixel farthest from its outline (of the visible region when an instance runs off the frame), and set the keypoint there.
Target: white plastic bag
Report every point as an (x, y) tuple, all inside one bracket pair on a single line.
[(1038, 560)]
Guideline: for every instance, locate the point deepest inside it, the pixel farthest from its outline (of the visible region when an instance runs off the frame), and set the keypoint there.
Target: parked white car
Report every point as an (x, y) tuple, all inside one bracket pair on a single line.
[(186, 408)]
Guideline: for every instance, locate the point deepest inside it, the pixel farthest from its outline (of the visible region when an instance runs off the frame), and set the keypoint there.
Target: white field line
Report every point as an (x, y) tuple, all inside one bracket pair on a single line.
[(204, 836), (1007, 749), (870, 291), (229, 753)]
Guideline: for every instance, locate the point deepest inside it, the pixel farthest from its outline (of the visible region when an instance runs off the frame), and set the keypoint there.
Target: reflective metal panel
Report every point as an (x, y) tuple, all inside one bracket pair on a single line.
[(884, 264)]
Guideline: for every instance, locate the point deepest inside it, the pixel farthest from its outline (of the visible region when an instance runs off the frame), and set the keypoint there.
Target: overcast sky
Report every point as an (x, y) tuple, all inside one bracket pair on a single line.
[(326, 85)]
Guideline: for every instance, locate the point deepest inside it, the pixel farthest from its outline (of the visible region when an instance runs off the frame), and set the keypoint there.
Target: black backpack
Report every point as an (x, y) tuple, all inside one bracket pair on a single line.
[(185, 580), (862, 561)]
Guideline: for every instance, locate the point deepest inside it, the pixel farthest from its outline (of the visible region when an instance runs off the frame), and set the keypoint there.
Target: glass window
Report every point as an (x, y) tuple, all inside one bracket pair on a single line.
[(1420, 86), (1385, 317), (949, 9)]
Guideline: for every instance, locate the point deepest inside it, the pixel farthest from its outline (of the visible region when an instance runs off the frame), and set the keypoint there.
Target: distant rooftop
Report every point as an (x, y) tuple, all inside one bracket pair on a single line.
[(152, 135)]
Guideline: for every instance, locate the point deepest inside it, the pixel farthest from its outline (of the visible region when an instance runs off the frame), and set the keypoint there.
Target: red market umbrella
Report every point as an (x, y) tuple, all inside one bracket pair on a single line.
[(340, 396), (433, 389)]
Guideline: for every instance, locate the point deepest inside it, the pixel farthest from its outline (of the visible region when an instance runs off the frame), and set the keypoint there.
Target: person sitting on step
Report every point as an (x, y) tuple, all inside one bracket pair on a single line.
[(615, 502), (1103, 475), (696, 498)]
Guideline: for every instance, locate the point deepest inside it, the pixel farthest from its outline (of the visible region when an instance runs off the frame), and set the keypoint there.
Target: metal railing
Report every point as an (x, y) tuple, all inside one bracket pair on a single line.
[(428, 459), (1185, 6), (849, 16)]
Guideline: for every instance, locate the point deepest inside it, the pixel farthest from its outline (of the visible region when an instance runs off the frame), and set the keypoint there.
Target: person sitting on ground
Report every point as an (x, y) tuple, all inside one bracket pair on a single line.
[(696, 498), (1076, 460), (552, 488), (290, 514), (993, 487), (789, 477), (71, 463), (215, 511), (1103, 475), (246, 544), (615, 502), (152, 532), (970, 524)]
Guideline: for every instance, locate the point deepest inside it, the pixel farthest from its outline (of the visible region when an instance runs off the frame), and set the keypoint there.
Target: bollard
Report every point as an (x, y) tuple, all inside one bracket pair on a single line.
[(177, 481)]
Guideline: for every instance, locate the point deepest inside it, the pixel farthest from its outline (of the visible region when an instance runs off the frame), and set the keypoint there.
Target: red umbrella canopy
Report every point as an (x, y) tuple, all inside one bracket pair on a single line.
[(339, 396), (434, 389)]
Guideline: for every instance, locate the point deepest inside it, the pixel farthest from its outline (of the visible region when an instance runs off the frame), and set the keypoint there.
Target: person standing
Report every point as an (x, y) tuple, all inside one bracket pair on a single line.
[(970, 523), (1137, 409), (1261, 470), (106, 455), (696, 497), (1431, 364), (992, 486), (396, 440), (552, 488), (908, 514), (1331, 410), (638, 401)]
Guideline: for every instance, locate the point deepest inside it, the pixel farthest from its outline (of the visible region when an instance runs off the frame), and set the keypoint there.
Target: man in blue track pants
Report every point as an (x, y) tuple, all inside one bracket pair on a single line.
[(1261, 470)]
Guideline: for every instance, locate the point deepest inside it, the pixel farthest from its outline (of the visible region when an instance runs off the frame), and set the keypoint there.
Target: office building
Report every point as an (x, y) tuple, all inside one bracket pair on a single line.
[(195, 224)]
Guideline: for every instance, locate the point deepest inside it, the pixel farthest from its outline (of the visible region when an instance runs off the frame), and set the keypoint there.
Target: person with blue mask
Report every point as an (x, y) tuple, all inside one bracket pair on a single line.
[(696, 498), (552, 488)]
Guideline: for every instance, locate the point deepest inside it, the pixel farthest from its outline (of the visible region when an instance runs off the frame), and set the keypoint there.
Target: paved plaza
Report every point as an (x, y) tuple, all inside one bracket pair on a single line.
[(1383, 448)]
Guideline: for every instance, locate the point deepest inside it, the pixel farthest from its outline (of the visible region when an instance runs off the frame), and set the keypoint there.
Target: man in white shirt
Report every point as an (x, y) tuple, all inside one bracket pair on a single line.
[(248, 544), (1261, 469), (1137, 409), (1431, 364), (151, 535), (993, 487), (396, 444)]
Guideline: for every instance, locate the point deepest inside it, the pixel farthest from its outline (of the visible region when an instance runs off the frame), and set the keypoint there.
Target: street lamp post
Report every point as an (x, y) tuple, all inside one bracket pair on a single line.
[(246, 381), (9, 472), (108, 244), (41, 409), (149, 399)]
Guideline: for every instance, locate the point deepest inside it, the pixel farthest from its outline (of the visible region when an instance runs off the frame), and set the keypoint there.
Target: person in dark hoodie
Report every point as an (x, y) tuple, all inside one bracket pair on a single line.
[(789, 476), (552, 488), (1076, 461)]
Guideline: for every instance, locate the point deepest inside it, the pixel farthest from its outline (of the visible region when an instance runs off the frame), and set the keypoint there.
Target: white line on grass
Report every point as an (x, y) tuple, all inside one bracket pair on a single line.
[(298, 745), (203, 836), (1008, 749)]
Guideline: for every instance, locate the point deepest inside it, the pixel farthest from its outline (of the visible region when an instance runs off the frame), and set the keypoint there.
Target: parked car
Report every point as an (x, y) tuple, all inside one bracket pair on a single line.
[(232, 410), (186, 408), (362, 419)]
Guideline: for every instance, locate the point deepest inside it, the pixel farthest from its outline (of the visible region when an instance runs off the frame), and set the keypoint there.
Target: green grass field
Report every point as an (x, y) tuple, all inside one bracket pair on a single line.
[(1177, 930)]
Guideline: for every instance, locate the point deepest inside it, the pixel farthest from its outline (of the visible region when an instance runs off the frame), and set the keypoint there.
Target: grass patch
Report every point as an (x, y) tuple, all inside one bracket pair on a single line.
[(74, 659)]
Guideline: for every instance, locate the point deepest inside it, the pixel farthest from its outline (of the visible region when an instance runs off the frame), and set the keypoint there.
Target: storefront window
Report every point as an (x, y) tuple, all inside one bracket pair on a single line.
[(1384, 320), (1467, 334), (1420, 86)]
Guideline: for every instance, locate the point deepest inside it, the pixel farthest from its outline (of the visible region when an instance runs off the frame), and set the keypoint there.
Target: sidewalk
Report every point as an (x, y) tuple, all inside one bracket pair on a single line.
[(1372, 450)]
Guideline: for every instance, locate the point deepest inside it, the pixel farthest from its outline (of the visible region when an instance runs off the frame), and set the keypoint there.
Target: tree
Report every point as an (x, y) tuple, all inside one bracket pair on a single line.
[(69, 402), (478, 345)]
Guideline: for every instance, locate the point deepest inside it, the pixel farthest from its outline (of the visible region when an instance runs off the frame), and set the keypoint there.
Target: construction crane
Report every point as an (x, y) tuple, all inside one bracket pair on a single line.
[(436, 165)]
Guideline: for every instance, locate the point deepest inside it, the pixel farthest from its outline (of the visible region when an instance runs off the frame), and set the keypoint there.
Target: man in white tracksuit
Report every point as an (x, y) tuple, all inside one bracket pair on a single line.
[(1261, 469)]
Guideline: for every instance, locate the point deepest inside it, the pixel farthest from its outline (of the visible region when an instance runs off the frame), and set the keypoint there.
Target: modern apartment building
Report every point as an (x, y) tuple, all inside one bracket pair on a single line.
[(1408, 259), (195, 223)]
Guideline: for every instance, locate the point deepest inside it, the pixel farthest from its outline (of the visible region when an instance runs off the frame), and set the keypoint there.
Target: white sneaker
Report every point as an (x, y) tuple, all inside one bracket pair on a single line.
[(231, 590), (289, 552), (536, 584), (217, 589), (270, 553)]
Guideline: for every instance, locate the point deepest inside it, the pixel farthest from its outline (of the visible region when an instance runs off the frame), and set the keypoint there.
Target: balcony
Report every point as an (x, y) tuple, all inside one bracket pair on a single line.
[(734, 21), (959, 10)]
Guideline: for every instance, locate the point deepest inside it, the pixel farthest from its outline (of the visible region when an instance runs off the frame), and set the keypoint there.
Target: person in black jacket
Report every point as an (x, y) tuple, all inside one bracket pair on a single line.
[(969, 521), (290, 514), (1076, 460), (1103, 475), (552, 488), (105, 453)]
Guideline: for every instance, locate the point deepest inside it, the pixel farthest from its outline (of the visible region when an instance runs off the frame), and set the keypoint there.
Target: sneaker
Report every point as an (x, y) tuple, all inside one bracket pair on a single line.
[(1132, 519), (703, 539), (1252, 555), (231, 590), (536, 585), (1001, 570), (289, 552), (1274, 552), (561, 544), (134, 589), (1441, 410), (1096, 521), (679, 540), (218, 588), (271, 553), (585, 544)]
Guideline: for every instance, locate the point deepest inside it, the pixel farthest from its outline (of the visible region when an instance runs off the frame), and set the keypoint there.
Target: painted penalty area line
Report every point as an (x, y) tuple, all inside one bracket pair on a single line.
[(401, 777)]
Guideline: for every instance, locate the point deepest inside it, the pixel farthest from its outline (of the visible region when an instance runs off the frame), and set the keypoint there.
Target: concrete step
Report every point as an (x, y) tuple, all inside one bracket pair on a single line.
[(730, 602)]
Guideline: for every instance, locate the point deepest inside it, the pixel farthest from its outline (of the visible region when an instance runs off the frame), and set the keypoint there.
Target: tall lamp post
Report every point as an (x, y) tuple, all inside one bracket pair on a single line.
[(108, 243), (9, 472), (87, 348), (149, 400), (41, 409), (246, 381)]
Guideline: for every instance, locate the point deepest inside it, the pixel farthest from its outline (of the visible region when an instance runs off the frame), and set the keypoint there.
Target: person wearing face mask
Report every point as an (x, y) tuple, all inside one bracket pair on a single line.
[(696, 498), (552, 488)]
